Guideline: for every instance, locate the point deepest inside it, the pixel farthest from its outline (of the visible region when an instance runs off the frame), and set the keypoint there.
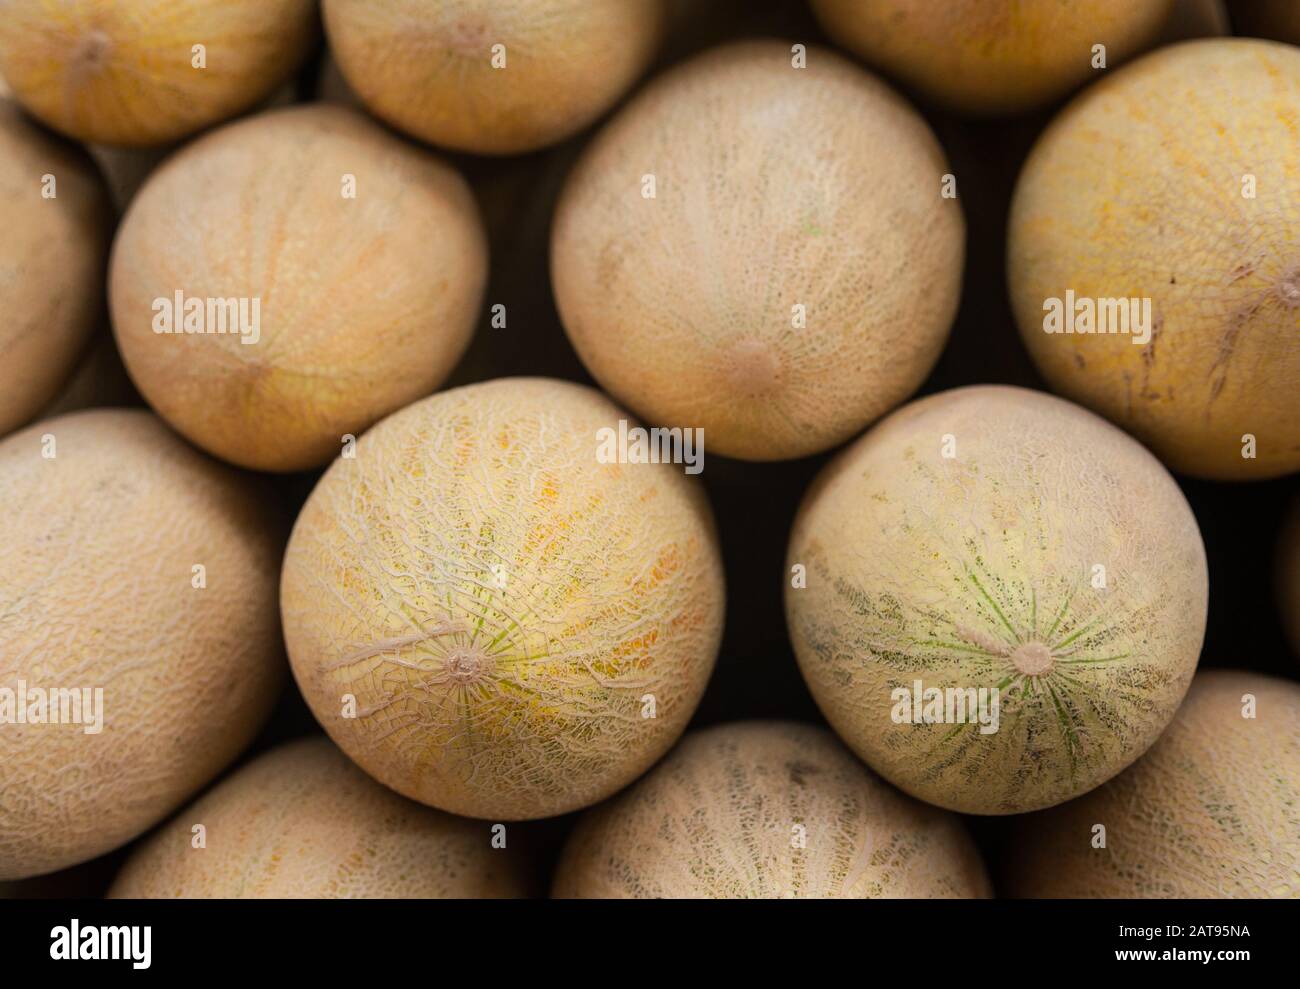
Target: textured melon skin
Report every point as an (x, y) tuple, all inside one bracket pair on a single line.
[(120, 71), (989, 57), (425, 66), (1212, 811), (507, 702), (1135, 191), (950, 570), (51, 264), (366, 303), (717, 820), (301, 822), (103, 597), (681, 305)]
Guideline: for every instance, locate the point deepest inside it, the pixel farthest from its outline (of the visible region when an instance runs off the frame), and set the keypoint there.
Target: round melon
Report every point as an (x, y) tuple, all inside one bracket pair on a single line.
[(303, 822), (355, 262), (767, 810), (133, 566), (996, 539), (130, 72), (490, 619), (56, 218), (492, 76), (1212, 811), (758, 290), (990, 57), (1173, 184)]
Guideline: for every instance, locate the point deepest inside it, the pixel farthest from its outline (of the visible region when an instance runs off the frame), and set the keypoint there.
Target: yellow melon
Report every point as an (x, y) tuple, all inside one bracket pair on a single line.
[(779, 288), (1169, 195), (132, 566), (55, 215), (492, 76), (302, 821), (766, 810), (360, 259), (490, 619), (1213, 810), (146, 72), (993, 538), (991, 56)]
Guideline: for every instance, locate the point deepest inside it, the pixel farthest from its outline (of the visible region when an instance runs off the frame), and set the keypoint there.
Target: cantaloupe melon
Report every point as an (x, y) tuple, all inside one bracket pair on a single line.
[(767, 810), (492, 76), (996, 538), (302, 821), (489, 619), (131, 565), (1213, 810), (146, 72), (364, 302), (760, 250), (55, 215), (1174, 183), (991, 56)]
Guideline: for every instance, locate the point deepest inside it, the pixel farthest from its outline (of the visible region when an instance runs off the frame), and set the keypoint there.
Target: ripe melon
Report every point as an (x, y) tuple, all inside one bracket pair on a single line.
[(767, 810), (1288, 575), (1212, 811), (492, 76), (994, 537), (302, 821), (365, 303), (991, 56), (784, 286), (124, 72), (98, 590), (489, 620), (52, 259), (1136, 191)]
